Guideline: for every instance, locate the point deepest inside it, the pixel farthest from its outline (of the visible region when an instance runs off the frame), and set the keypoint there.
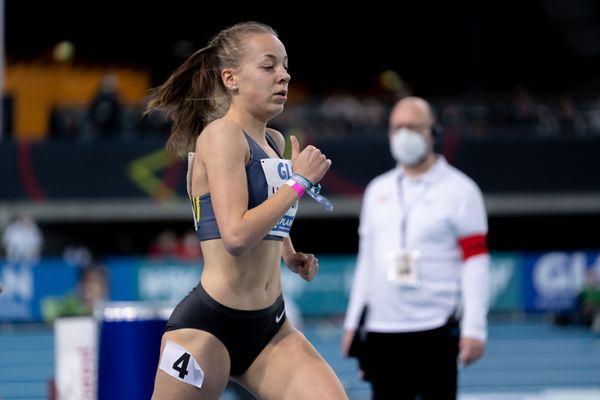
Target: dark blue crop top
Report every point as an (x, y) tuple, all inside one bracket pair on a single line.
[(204, 214)]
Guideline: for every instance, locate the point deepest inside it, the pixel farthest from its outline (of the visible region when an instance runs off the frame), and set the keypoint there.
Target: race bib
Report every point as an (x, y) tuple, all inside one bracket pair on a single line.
[(277, 171), (180, 364)]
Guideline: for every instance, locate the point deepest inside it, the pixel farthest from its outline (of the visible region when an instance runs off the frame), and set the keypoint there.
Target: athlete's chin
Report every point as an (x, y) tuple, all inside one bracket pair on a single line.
[(275, 111)]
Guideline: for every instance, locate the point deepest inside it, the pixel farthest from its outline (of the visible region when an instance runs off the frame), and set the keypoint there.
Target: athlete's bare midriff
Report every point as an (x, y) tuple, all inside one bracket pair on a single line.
[(248, 282)]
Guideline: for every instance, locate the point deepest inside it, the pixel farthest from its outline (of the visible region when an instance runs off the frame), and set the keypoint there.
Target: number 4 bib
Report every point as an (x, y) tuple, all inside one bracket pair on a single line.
[(175, 361)]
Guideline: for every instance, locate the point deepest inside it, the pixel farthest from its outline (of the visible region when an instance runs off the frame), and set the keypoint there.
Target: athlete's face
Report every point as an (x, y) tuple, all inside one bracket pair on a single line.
[(262, 77)]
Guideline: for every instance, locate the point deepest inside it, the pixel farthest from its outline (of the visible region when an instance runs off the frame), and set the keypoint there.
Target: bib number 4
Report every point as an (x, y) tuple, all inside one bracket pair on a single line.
[(178, 362), (181, 365)]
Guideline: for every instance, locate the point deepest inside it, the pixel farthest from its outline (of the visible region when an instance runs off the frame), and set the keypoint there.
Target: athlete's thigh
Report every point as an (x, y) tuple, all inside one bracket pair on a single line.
[(291, 368), (212, 357)]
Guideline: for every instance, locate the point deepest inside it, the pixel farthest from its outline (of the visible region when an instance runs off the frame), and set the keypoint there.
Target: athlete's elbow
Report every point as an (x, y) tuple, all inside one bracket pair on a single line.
[(236, 251), (235, 245)]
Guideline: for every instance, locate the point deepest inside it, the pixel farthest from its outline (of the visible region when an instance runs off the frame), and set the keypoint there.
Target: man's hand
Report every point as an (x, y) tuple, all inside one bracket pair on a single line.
[(347, 340), (471, 350)]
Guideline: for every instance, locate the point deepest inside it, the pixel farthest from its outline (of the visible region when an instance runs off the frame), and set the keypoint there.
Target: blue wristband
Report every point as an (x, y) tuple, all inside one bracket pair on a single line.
[(313, 191), (302, 180)]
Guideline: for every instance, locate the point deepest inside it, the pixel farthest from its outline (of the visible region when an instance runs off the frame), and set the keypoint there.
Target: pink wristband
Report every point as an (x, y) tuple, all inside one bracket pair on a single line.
[(296, 186)]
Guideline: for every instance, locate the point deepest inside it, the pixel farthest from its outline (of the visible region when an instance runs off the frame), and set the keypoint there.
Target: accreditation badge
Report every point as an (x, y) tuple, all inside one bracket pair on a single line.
[(277, 171), (403, 267)]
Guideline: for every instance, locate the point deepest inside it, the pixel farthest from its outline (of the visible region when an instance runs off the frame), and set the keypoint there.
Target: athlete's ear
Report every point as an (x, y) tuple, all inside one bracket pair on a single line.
[(229, 80)]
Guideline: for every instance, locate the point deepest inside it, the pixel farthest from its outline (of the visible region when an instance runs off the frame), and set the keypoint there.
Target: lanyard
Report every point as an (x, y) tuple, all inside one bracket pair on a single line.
[(319, 198), (406, 208)]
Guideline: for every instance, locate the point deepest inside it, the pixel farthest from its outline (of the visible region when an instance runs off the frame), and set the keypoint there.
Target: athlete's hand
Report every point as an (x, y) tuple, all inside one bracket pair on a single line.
[(310, 162), (305, 265)]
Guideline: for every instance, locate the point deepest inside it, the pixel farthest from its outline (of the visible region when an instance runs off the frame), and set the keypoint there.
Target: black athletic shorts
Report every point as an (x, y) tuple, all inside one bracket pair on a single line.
[(244, 333)]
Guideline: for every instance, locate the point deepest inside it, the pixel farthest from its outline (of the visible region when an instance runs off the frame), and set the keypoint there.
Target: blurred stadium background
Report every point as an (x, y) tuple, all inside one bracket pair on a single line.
[(515, 85)]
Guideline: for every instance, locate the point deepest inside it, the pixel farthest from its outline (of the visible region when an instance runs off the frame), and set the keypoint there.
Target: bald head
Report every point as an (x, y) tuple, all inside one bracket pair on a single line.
[(413, 113)]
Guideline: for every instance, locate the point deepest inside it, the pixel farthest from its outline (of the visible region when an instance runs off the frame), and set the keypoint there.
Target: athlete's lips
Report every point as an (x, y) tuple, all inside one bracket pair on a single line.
[(281, 94)]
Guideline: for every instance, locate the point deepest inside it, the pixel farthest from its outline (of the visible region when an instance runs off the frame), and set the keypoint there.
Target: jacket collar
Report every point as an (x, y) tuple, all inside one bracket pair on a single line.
[(434, 173)]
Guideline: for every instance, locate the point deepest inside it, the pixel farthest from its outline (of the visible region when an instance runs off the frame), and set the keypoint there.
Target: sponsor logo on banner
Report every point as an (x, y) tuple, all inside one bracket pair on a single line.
[(556, 278), (168, 283), (505, 282), (17, 285)]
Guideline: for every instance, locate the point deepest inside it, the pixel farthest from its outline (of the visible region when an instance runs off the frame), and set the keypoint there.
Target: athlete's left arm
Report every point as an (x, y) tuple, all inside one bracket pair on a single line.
[(305, 265)]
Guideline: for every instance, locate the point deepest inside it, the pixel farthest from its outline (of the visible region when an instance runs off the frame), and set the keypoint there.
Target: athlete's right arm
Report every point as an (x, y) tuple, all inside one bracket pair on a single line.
[(223, 149)]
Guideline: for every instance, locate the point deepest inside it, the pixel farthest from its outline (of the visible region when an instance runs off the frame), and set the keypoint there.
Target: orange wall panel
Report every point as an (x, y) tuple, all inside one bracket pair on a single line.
[(37, 88)]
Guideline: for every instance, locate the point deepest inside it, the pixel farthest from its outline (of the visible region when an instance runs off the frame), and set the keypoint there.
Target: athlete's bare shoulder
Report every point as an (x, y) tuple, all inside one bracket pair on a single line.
[(220, 132), (277, 138)]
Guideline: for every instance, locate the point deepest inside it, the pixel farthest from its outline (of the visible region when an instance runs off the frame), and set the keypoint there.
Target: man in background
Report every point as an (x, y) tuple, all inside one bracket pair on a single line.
[(423, 268)]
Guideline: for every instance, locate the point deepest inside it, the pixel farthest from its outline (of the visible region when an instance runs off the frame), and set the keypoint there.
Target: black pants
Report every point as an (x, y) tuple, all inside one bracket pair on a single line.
[(413, 365)]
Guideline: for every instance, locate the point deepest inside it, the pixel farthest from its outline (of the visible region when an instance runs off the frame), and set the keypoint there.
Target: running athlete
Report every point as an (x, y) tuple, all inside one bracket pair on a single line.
[(244, 197)]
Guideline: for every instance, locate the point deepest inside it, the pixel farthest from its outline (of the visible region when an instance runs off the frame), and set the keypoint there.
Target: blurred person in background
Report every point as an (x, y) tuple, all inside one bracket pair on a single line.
[(190, 248), (244, 197), (22, 240), (588, 301), (169, 246), (106, 110), (423, 264), (166, 245), (92, 288)]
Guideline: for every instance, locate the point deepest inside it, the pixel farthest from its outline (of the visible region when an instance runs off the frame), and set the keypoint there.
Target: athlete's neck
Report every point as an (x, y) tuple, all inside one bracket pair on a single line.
[(248, 124)]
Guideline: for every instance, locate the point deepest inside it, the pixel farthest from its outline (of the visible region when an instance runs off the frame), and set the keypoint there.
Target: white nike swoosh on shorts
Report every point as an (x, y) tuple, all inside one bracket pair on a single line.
[(278, 317)]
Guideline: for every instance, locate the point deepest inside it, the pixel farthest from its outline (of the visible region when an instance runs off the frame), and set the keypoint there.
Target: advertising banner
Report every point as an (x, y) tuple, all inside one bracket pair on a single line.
[(26, 286), (520, 282), (553, 280)]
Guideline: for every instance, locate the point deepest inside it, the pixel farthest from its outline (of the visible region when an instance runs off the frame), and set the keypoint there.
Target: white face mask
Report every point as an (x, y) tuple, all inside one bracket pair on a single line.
[(408, 147)]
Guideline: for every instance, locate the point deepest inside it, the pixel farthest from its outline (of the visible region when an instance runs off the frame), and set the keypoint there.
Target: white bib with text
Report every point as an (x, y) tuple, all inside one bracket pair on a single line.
[(277, 171)]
